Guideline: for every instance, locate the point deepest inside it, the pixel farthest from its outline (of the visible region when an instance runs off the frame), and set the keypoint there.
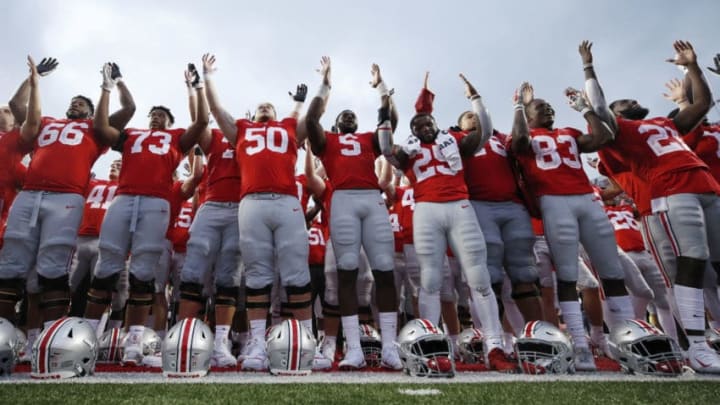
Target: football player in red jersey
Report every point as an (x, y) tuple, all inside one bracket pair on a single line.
[(550, 158), (433, 160), (684, 195), (45, 216), (358, 218), (137, 219), (271, 221)]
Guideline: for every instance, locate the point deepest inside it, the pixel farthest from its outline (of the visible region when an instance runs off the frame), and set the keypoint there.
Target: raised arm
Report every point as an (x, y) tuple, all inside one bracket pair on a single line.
[(106, 133), (693, 114), (593, 91), (18, 103), (314, 130), (200, 123), (225, 121), (520, 133), (196, 173), (120, 118), (31, 127), (385, 177), (600, 132), (192, 79), (477, 138), (315, 183), (378, 83)]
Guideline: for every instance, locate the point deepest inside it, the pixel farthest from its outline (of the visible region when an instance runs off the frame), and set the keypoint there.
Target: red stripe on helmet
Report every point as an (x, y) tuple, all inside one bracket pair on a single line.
[(528, 328), (294, 344), (114, 335), (429, 326), (183, 352), (43, 358)]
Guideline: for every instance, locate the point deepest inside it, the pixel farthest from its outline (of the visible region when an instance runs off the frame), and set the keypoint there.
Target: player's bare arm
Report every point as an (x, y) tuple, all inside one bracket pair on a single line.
[(521, 139), (31, 127), (593, 91), (600, 133), (520, 132), (104, 132), (315, 183), (18, 102), (676, 93), (199, 124), (196, 173), (314, 130), (120, 118), (477, 138), (225, 121), (192, 80), (693, 114), (385, 103)]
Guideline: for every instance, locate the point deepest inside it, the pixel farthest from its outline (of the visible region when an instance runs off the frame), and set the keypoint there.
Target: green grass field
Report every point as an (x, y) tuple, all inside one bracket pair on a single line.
[(670, 392)]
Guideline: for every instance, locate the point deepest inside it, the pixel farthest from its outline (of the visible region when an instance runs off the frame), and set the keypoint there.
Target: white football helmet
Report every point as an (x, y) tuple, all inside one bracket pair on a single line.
[(21, 342), (151, 342), (110, 346), (8, 347), (471, 346), (543, 348), (425, 350), (713, 338), (641, 348), (371, 345), (290, 348), (187, 349), (68, 348)]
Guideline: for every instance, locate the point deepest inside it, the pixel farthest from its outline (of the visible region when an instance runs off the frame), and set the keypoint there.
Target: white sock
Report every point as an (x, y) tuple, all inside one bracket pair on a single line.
[(329, 346), (351, 329), (388, 328), (257, 329), (429, 305), (573, 320), (619, 308), (691, 306), (221, 334), (487, 309)]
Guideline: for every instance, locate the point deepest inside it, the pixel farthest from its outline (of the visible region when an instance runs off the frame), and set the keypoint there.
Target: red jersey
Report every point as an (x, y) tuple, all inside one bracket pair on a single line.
[(100, 195), (175, 198), (627, 230), (179, 233), (431, 175), (537, 225), (401, 213), (631, 184), (65, 151), (705, 142), (317, 237), (150, 157), (655, 152), (266, 153), (488, 173), (11, 151), (202, 188), (552, 164), (303, 193), (223, 179), (349, 160)]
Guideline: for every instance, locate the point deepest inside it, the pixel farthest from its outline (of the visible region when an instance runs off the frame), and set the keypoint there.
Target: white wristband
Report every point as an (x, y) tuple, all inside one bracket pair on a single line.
[(323, 91), (199, 85), (587, 66), (519, 107), (585, 110), (382, 89), (191, 91)]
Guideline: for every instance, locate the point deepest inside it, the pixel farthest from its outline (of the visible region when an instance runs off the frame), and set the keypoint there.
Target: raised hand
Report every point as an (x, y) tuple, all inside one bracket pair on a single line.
[(676, 93), (470, 91), (325, 69), (192, 77), (716, 60), (516, 98), (376, 77), (527, 93), (46, 66), (585, 50), (425, 82), (34, 74), (577, 100), (208, 61), (684, 54), (115, 72), (108, 83), (300, 93)]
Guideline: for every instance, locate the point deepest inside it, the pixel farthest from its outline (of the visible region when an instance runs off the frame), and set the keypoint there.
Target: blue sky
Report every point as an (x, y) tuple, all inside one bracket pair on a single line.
[(265, 48)]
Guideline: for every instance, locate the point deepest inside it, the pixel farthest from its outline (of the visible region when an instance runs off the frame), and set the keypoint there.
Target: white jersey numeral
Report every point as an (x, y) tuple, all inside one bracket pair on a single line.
[(350, 145), (547, 155), (229, 152), (184, 218), (395, 221), (424, 171), (316, 237), (495, 145), (274, 139), (715, 135), (162, 137), (408, 199), (71, 134), (97, 197), (623, 220), (664, 141)]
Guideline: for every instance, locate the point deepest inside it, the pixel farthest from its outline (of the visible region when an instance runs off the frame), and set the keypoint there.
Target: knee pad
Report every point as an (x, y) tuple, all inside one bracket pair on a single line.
[(12, 290), (258, 298), (191, 292), (330, 311), (138, 286), (101, 289), (298, 297), (226, 296), (54, 284)]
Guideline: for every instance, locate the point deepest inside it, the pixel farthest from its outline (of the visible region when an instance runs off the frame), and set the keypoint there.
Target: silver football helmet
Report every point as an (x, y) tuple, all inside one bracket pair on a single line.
[(187, 349), (290, 348), (67, 348), (371, 345), (425, 350), (151, 342), (713, 338), (8, 347), (543, 348), (471, 347), (21, 342), (641, 348), (110, 346)]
